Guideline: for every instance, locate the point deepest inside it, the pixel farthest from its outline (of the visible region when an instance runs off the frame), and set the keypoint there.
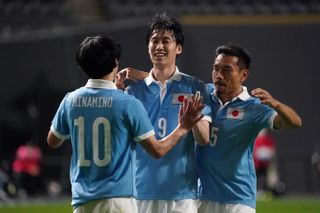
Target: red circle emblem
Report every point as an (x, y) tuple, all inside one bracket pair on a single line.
[(180, 98), (235, 113)]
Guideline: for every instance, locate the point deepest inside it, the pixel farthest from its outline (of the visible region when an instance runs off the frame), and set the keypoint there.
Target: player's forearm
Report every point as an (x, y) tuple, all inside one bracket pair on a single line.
[(167, 143), (157, 149), (201, 132), (138, 74), (287, 117)]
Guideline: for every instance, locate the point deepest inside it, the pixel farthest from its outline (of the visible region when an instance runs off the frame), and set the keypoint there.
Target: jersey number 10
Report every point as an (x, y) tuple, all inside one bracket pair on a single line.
[(104, 160)]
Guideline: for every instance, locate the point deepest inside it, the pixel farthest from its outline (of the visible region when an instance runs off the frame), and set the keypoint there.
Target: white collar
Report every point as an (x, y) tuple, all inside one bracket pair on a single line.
[(244, 95), (176, 77), (99, 83)]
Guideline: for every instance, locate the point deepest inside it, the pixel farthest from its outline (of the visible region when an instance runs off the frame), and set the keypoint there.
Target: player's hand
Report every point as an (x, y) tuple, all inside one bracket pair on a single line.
[(265, 97), (129, 74), (190, 111), (120, 78), (132, 74), (136, 75)]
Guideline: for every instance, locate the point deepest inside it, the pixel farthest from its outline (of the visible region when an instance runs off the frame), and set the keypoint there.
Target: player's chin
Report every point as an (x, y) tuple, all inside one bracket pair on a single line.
[(219, 88), (158, 59)]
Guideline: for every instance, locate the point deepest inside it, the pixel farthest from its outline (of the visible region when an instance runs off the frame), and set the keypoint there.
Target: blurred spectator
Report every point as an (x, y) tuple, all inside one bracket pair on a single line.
[(27, 169), (263, 154), (4, 180), (315, 157)]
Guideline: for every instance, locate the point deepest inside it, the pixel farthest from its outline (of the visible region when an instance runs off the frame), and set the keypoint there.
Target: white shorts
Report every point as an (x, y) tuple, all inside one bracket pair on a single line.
[(213, 207), (114, 205), (167, 206)]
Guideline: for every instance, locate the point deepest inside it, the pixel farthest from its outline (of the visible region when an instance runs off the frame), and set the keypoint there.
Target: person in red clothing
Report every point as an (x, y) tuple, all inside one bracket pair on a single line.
[(27, 168), (263, 154)]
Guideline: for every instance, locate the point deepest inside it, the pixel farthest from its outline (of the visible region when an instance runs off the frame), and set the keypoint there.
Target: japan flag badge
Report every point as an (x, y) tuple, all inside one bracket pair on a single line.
[(234, 113), (177, 98)]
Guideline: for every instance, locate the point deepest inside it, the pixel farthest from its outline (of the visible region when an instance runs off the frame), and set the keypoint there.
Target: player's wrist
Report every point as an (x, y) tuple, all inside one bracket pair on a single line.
[(182, 130)]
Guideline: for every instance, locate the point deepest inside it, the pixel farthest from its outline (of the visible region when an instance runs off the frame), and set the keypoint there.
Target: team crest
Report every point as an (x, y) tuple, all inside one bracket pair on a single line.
[(234, 113), (177, 98)]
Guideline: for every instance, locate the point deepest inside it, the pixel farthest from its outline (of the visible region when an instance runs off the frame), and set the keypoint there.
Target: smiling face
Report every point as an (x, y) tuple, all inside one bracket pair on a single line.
[(163, 48), (227, 76)]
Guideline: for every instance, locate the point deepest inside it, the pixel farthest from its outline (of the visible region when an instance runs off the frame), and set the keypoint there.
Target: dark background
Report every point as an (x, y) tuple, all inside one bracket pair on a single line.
[(39, 68)]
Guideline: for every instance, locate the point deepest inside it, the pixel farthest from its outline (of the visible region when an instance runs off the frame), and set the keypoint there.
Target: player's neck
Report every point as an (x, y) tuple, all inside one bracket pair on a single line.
[(163, 73), (110, 76), (226, 97)]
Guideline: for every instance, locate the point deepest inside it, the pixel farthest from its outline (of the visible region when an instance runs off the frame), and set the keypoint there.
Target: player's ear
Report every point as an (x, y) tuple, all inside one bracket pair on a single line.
[(179, 49), (244, 75)]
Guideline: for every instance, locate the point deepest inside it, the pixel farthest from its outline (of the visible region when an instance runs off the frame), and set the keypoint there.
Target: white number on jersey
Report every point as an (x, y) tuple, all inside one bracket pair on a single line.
[(213, 136), (79, 122), (162, 125)]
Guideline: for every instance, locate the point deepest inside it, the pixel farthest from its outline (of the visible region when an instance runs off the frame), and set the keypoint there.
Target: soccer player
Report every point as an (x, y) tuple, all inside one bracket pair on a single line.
[(226, 168), (169, 184), (103, 124)]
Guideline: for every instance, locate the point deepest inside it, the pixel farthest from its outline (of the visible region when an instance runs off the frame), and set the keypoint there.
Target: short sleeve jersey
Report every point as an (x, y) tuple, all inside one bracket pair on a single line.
[(174, 175), (102, 124), (226, 166)]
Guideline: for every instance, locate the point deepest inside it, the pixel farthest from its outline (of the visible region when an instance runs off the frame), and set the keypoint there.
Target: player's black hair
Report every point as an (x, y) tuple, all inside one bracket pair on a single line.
[(98, 56), (230, 49), (165, 22)]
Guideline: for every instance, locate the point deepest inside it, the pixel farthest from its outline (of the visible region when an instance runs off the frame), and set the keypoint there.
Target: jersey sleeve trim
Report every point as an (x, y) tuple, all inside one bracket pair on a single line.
[(272, 120), (58, 135), (207, 118), (144, 136)]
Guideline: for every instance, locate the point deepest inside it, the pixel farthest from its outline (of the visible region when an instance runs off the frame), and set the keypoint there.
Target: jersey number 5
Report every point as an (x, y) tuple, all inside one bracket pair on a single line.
[(104, 160), (213, 136)]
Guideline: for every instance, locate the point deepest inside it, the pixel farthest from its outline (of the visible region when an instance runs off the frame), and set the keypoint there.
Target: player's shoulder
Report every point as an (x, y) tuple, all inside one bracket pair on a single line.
[(191, 80), (254, 101), (128, 99), (71, 94), (136, 85), (123, 96), (189, 77), (210, 87), (255, 104)]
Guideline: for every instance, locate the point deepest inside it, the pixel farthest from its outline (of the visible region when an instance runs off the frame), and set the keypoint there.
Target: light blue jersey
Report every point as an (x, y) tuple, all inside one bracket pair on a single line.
[(101, 122), (226, 167), (173, 177)]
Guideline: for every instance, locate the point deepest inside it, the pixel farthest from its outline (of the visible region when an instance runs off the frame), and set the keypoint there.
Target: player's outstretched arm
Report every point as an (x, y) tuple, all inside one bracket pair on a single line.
[(135, 75), (286, 118), (129, 74), (189, 115), (201, 130), (53, 141)]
